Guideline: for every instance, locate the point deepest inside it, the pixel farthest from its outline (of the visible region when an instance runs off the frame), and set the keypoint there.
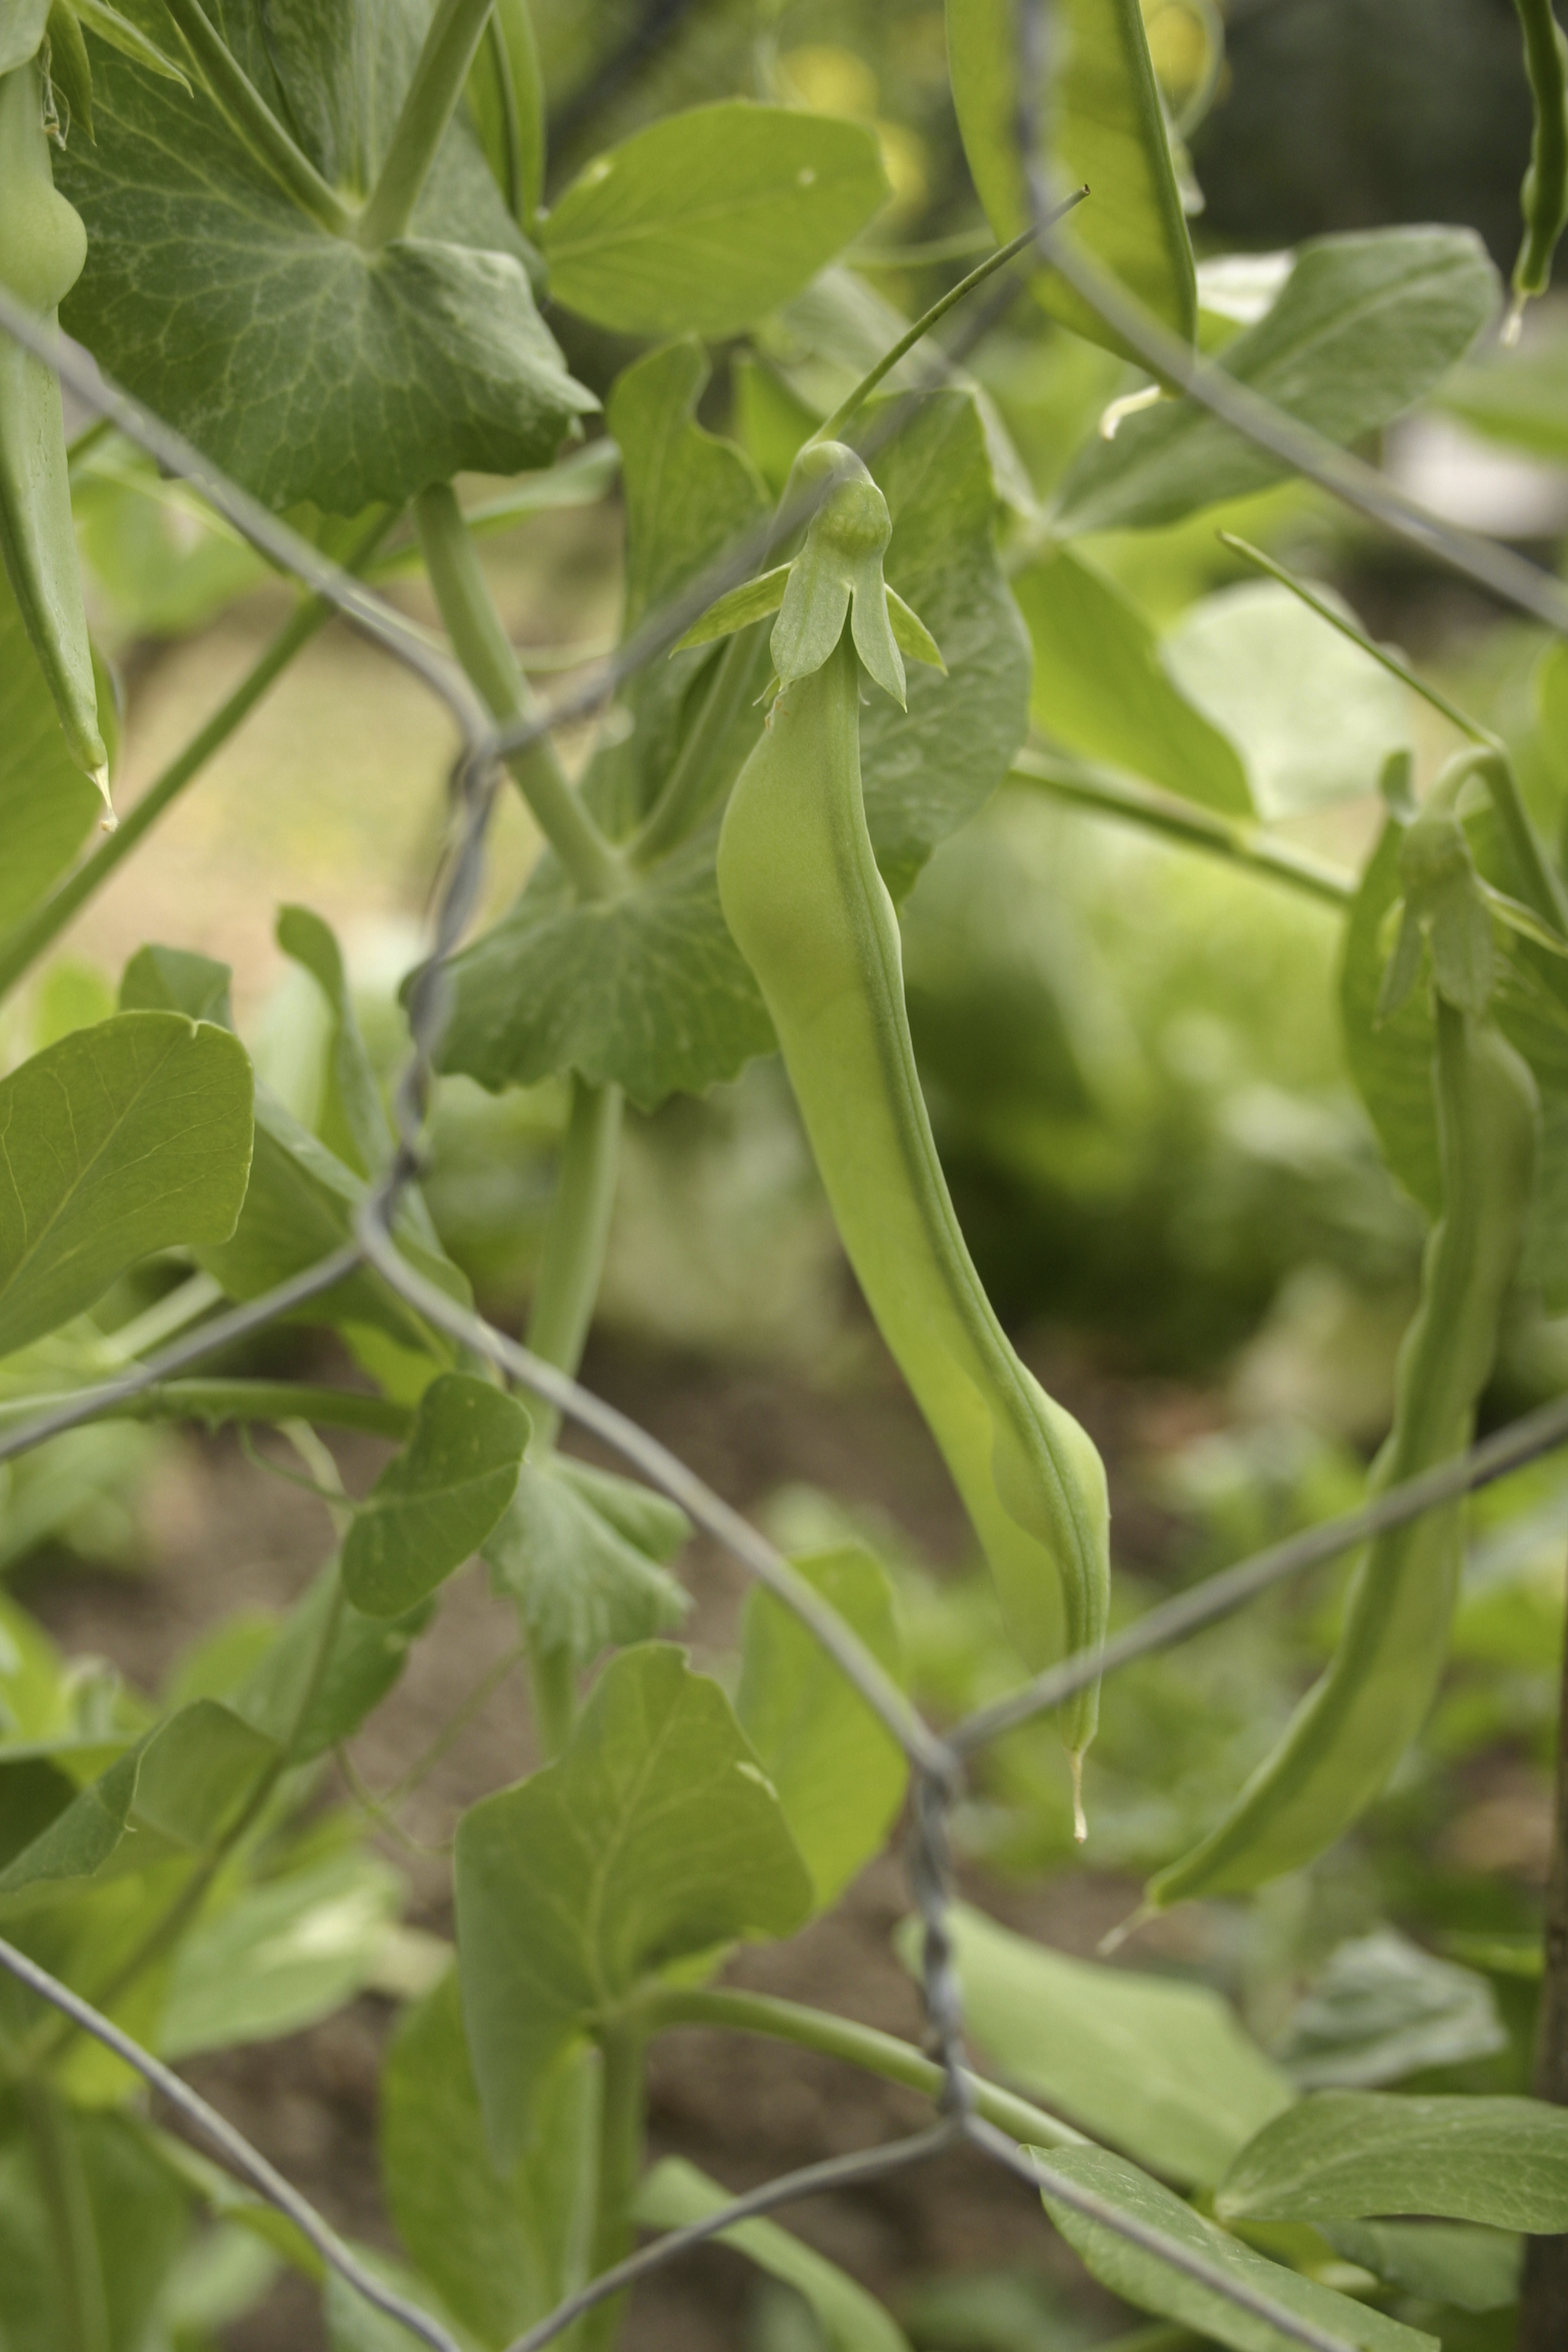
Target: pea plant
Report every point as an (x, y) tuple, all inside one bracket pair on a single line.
[(305, 270)]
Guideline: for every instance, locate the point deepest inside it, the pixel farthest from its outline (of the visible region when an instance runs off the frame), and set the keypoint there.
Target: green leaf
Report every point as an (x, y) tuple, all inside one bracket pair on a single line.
[(33, 1792), (129, 1137), (78, 1843), (1364, 327), (839, 1773), (578, 1583), (302, 1204), (1152, 2284), (353, 1121), (180, 1791), (280, 1956), (164, 561), (434, 1504), (651, 985), (690, 498), (1312, 716), (501, 2248), (1391, 1063), (176, 980), (111, 26), (309, 1706), (1517, 395), (1383, 2008), (1456, 2262), (646, 1518), (1161, 2067), (705, 222), (48, 807), (1102, 686), (1342, 2154), (655, 1837), (753, 601), (138, 2218), (675, 2193), (648, 990), (197, 1774), (1105, 130), (366, 375), (22, 32)]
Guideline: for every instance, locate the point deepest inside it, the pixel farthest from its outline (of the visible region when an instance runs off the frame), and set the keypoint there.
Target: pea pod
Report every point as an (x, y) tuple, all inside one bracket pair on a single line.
[(42, 247), (808, 910), (1356, 1722), (1545, 196)]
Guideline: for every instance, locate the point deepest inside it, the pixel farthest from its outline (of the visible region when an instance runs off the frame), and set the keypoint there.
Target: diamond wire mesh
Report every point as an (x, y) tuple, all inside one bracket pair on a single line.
[(936, 1761)]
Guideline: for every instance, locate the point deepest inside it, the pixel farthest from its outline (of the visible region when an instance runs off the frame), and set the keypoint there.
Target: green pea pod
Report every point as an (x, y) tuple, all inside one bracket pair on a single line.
[(1545, 196), (42, 247), (1359, 1719), (801, 893)]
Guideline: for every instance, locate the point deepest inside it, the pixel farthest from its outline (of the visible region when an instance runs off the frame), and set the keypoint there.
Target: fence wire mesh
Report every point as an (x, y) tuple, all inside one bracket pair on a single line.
[(936, 1760)]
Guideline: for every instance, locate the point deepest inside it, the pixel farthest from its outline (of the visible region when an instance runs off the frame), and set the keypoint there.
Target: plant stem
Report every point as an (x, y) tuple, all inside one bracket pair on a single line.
[(25, 942), (521, 85), (859, 2045), (621, 2050), (694, 781), (1105, 794), (216, 1402), (253, 121), (58, 2030), (455, 33), (485, 651), (570, 1268), (1542, 890), (575, 1239), (832, 429), (72, 2231), (1543, 2306), (553, 1687)]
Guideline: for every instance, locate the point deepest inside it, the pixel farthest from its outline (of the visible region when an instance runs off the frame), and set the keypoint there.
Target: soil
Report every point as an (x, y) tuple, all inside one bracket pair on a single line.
[(223, 1535)]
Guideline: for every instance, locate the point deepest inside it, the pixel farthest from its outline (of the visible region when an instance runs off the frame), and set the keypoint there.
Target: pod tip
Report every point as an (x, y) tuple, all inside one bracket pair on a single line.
[(1079, 1818), (1513, 324), (109, 822)]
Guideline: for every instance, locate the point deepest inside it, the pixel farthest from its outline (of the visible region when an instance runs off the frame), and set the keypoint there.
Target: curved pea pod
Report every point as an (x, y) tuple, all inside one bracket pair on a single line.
[(801, 895), (1359, 1719), (1544, 199), (42, 247)]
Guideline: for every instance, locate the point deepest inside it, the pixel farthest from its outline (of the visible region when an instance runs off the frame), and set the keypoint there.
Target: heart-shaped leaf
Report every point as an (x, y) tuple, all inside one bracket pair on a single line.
[(432, 1508)]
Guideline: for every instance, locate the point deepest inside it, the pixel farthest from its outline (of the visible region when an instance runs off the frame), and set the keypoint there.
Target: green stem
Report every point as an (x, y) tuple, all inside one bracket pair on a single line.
[(455, 33), (216, 1402), (1544, 2305), (72, 2231), (575, 1240), (486, 653), (857, 2045), (22, 946), (621, 2102), (844, 414), (1541, 885), (1105, 794), (695, 780), (552, 1686), (570, 1268), (522, 85), (253, 121)]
